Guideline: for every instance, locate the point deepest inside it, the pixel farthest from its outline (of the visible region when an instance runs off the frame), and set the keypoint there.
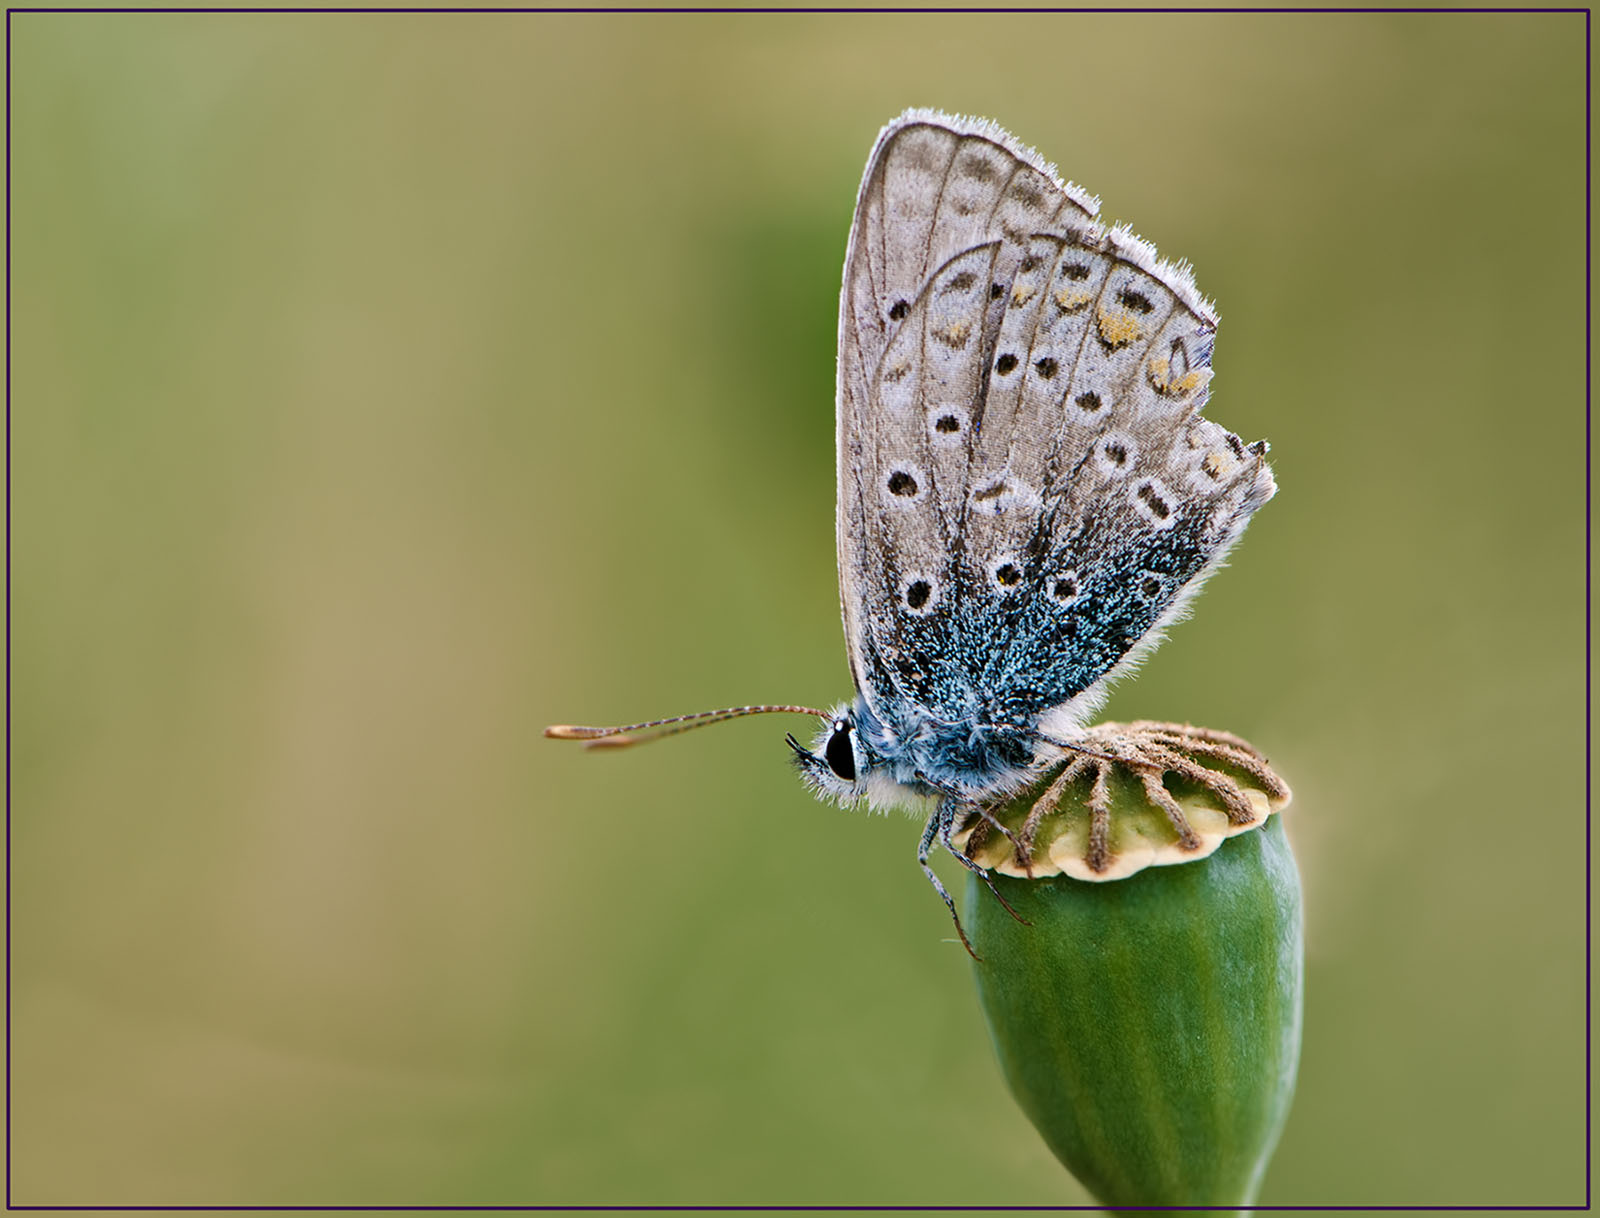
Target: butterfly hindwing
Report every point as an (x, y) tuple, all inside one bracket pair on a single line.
[(1139, 496)]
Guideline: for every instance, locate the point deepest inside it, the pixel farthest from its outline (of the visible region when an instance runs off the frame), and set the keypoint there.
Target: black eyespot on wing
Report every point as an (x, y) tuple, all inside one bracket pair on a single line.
[(1047, 367), (1005, 363), (996, 291), (1007, 575), (1136, 301), (838, 753), (899, 309), (947, 424), (1153, 499), (917, 593), (902, 483), (1089, 401)]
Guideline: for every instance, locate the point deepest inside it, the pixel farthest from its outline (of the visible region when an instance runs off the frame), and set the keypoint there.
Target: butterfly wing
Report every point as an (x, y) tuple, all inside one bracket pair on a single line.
[(942, 206), (1026, 489), (1141, 497)]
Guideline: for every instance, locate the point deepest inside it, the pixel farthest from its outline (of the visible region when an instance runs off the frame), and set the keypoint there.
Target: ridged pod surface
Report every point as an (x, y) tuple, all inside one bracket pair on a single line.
[(1150, 1026)]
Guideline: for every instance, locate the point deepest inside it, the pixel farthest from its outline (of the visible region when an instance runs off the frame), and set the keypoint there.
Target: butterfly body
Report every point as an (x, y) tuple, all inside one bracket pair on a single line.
[(918, 756)]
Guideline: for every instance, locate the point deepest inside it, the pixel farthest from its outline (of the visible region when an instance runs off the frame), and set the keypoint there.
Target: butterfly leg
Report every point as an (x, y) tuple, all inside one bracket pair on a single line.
[(971, 865), (937, 830), (1021, 850)]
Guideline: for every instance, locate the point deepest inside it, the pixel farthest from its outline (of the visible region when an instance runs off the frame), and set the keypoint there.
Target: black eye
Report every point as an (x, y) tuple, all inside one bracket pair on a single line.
[(841, 758)]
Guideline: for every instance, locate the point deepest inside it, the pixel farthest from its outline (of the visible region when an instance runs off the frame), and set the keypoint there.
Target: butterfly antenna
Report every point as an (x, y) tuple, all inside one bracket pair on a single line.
[(640, 733)]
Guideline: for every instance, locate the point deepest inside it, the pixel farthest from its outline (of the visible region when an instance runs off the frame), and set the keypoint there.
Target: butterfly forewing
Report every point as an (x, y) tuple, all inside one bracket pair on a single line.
[(942, 208)]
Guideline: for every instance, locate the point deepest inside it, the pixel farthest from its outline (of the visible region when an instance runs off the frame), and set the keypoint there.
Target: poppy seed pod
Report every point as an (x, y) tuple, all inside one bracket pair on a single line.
[(1148, 1025)]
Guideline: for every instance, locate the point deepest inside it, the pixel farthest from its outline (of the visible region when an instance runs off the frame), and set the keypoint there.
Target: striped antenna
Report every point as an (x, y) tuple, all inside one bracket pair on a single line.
[(656, 729)]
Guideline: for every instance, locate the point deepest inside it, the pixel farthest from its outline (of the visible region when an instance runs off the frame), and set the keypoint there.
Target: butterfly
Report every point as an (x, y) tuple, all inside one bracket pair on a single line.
[(1027, 492)]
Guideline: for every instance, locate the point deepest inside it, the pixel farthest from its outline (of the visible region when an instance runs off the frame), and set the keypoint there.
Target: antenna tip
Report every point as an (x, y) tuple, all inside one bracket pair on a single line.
[(592, 737)]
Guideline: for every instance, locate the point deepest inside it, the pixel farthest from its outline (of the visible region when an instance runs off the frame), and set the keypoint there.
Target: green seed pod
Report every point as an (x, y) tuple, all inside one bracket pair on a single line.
[(1150, 1026)]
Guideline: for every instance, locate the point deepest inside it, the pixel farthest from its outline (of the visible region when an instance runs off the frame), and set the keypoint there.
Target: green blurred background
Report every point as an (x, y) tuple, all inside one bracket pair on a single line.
[(388, 387)]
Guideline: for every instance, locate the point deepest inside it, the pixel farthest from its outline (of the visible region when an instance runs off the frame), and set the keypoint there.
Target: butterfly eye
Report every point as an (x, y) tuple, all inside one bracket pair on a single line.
[(840, 754)]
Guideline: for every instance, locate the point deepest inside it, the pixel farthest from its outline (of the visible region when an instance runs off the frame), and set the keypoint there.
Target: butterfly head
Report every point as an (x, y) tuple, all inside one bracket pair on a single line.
[(854, 759), (839, 761)]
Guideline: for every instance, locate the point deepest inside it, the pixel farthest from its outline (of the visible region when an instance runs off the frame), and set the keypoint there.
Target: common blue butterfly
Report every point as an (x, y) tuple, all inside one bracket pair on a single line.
[(1027, 492)]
